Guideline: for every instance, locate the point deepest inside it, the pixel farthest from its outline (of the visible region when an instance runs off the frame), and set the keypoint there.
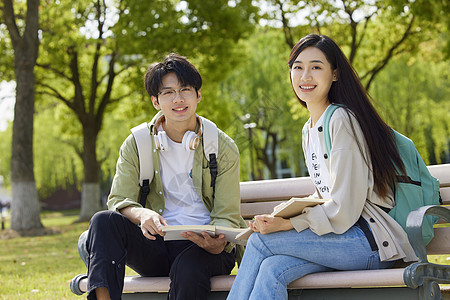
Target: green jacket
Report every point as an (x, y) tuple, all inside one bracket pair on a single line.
[(223, 204)]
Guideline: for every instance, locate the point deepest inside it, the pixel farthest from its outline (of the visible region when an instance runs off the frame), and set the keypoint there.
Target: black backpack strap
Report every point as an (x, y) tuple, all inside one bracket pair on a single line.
[(407, 179), (362, 223), (213, 169), (145, 190)]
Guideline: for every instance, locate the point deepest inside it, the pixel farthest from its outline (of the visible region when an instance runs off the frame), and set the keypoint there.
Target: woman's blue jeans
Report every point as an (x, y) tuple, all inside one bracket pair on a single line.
[(272, 261)]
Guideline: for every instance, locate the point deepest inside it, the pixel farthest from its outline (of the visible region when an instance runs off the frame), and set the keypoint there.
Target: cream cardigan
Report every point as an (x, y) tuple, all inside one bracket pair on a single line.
[(352, 194)]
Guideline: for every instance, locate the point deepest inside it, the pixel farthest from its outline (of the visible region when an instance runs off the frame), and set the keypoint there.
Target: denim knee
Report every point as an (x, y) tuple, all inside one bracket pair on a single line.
[(254, 240), (273, 271), (257, 241)]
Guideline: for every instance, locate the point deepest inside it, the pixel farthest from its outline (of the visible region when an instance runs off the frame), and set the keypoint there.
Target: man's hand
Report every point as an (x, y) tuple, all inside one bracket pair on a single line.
[(151, 222), (214, 245), (267, 224)]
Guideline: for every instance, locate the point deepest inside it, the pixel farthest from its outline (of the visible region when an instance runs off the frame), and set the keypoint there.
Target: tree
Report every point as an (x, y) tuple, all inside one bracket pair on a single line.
[(90, 46), (25, 42), (371, 32), (260, 87)]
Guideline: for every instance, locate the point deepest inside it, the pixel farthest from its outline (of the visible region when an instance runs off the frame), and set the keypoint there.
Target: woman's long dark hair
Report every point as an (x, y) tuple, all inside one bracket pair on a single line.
[(348, 90)]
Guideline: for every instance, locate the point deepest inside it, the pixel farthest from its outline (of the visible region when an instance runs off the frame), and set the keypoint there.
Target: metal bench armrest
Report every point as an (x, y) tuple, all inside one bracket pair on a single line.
[(414, 227)]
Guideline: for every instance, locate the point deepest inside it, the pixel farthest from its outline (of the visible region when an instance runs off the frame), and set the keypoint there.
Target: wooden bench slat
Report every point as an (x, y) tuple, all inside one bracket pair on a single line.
[(349, 279), (269, 190), (339, 279), (249, 210), (440, 244), (441, 172), (445, 195)]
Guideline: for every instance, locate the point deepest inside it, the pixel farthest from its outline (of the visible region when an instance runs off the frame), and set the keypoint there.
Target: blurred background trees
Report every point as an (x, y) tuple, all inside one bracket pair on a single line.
[(93, 56)]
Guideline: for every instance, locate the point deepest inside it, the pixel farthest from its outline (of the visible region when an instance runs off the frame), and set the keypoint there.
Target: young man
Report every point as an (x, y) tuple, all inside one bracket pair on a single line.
[(180, 194)]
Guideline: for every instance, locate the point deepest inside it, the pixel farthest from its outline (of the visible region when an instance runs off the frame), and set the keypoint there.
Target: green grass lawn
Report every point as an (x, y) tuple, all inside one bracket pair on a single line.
[(42, 267)]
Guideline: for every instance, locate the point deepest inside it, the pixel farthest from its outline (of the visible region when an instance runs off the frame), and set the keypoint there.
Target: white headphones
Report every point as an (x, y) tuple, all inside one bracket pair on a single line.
[(190, 139)]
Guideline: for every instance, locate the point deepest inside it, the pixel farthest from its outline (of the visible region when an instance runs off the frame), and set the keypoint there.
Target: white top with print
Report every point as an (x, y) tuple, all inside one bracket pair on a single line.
[(316, 162)]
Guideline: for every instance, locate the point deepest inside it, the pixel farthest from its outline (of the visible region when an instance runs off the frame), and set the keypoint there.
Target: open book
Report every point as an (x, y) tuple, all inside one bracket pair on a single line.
[(173, 232), (289, 209)]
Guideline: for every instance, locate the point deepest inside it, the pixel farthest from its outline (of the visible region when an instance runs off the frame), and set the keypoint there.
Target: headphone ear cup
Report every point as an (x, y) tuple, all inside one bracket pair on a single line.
[(190, 141), (161, 141), (157, 144), (195, 142)]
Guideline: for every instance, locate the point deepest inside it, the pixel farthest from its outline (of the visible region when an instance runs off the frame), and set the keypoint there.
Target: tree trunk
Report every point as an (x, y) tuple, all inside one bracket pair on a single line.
[(90, 194), (24, 207), (25, 204), (90, 200)]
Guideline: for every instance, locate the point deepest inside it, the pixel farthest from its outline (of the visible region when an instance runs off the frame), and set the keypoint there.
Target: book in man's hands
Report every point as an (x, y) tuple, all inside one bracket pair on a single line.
[(173, 232), (289, 209)]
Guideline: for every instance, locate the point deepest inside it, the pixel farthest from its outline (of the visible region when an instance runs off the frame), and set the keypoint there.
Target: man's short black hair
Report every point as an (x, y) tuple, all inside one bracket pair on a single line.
[(186, 73)]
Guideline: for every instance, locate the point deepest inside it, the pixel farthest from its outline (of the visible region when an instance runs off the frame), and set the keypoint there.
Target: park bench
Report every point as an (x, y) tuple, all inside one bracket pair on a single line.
[(418, 280)]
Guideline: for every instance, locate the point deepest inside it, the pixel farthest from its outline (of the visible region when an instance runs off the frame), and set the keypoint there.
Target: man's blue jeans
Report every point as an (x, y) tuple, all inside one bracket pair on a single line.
[(113, 241), (272, 261)]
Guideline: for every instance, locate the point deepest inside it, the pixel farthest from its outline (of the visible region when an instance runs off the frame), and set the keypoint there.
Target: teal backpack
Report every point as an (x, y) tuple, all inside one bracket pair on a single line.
[(418, 188)]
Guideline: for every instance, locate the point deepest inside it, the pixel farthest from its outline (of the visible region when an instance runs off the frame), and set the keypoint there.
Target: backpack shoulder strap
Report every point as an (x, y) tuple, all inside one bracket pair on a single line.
[(142, 136), (326, 126), (211, 146)]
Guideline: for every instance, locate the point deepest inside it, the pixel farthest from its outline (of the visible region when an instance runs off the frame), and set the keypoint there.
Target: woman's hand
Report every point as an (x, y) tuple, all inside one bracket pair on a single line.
[(213, 245), (267, 224)]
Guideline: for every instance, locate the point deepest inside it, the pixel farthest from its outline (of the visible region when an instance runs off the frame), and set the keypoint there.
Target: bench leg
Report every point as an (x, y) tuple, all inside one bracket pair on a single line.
[(430, 290)]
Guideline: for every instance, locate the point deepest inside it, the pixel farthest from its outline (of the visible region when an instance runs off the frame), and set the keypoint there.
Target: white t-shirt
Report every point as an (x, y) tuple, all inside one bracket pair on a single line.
[(316, 162), (183, 206)]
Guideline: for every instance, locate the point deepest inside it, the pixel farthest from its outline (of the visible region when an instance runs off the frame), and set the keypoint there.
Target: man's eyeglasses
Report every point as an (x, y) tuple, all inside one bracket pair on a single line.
[(186, 93)]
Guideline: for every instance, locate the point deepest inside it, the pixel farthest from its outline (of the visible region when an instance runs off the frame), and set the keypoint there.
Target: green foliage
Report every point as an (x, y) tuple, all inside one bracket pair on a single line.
[(370, 32), (7, 57), (56, 165), (413, 97), (6, 49), (128, 113), (261, 88)]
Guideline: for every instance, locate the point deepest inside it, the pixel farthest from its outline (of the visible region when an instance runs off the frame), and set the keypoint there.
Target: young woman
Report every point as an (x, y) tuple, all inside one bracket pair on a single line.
[(352, 231)]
